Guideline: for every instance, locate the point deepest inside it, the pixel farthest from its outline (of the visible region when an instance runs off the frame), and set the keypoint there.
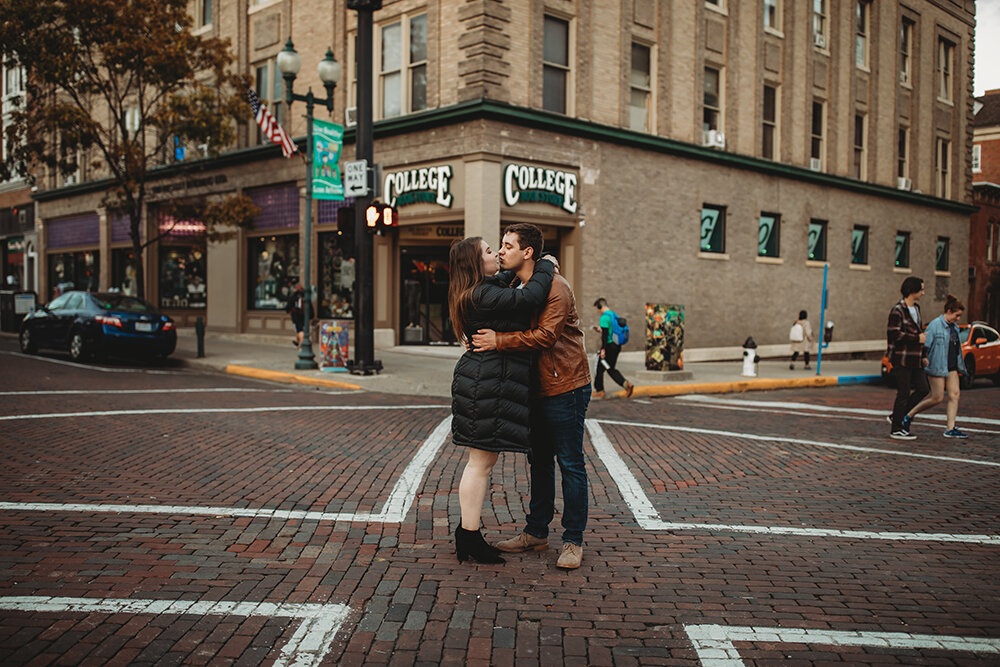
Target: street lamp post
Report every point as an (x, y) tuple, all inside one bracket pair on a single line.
[(289, 63)]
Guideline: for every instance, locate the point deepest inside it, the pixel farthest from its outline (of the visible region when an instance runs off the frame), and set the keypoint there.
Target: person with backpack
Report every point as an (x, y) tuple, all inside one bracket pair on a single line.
[(614, 334), (800, 338)]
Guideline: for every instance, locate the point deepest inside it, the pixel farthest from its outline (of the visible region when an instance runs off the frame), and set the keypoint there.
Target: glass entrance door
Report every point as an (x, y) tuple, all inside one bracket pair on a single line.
[(423, 296)]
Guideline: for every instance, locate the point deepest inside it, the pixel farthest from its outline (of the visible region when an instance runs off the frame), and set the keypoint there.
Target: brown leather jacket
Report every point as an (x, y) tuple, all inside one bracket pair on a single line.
[(556, 335)]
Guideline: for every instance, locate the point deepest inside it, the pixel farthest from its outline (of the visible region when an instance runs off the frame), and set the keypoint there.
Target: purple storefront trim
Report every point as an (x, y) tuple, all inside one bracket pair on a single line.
[(78, 230), (279, 206), (120, 227), (327, 209)]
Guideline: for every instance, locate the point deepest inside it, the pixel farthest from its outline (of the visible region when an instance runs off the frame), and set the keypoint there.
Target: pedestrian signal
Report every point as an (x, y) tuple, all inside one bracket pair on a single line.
[(380, 217)]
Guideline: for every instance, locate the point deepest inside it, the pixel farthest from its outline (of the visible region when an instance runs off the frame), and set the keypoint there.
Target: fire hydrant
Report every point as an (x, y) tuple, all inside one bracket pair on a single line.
[(750, 358)]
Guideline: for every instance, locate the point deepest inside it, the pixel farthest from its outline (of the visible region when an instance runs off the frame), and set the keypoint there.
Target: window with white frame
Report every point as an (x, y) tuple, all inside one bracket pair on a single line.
[(403, 66), (13, 91), (905, 51), (641, 89), (717, 4), (859, 146), (945, 63), (772, 14), (816, 135), (555, 65), (712, 112), (820, 23), (769, 122), (902, 142), (204, 12), (270, 90), (861, 13), (942, 160), (977, 157)]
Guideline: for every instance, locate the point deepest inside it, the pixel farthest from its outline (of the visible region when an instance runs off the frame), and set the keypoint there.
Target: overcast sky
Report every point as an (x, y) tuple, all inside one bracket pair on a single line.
[(987, 45)]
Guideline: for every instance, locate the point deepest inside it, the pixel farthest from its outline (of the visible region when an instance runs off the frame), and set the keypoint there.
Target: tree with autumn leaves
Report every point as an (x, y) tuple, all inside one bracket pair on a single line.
[(119, 82)]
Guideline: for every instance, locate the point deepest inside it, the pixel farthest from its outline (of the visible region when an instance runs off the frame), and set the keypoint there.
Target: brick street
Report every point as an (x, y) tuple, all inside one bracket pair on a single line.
[(253, 523)]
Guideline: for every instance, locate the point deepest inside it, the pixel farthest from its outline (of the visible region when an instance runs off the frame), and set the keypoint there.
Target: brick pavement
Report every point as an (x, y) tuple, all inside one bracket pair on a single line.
[(410, 601)]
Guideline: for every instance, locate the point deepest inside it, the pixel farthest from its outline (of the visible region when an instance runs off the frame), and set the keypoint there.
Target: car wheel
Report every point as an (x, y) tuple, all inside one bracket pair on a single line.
[(27, 344), (966, 380), (77, 348)]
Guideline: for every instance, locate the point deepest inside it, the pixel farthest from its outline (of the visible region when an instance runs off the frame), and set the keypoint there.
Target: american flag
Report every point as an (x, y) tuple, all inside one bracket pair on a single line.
[(269, 124)]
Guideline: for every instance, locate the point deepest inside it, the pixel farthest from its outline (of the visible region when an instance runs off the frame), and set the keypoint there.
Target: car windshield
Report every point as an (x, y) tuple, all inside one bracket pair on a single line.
[(120, 302)]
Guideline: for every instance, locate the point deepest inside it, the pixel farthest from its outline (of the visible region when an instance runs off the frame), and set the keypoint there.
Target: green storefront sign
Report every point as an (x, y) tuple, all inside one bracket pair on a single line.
[(328, 139)]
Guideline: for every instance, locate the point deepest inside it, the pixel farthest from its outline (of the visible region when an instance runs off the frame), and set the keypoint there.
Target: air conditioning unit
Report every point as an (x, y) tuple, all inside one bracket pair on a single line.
[(815, 163), (203, 149), (903, 77), (819, 39), (904, 183), (72, 179), (351, 116), (713, 139)]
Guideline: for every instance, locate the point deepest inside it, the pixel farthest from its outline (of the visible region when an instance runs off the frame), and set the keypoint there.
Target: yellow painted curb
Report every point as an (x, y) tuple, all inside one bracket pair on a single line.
[(729, 387), (288, 378)]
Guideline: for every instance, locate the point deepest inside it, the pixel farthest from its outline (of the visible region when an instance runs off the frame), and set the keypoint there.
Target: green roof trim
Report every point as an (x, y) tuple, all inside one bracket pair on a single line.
[(485, 109)]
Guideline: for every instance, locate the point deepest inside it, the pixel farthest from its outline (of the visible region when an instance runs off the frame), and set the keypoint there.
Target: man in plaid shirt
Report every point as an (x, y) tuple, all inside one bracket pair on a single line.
[(905, 334)]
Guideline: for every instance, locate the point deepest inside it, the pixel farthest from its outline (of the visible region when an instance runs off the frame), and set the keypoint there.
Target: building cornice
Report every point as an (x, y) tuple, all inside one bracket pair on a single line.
[(485, 109)]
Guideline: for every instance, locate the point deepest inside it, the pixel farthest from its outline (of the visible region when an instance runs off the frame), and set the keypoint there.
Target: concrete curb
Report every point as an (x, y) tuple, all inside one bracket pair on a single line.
[(739, 386), (287, 378)]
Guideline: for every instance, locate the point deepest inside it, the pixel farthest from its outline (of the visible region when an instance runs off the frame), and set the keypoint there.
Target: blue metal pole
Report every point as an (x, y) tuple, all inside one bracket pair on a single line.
[(822, 321)]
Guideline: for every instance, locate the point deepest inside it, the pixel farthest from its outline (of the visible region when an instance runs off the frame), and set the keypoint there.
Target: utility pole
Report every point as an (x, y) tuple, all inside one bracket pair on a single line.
[(364, 362)]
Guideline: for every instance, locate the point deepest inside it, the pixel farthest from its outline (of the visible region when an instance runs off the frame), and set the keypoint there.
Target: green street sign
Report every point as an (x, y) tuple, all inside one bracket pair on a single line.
[(328, 139)]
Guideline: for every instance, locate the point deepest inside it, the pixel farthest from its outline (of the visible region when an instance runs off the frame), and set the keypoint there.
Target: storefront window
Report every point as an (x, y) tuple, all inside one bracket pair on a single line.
[(123, 271), (273, 270), (73, 271), (336, 277), (182, 277), (13, 262)]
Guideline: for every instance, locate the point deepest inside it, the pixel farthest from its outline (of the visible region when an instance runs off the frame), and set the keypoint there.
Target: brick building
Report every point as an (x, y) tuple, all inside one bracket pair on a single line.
[(714, 154), (984, 233), (18, 240)]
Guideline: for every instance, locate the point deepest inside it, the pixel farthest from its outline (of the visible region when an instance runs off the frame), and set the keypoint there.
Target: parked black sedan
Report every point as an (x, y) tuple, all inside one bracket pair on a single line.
[(97, 324)]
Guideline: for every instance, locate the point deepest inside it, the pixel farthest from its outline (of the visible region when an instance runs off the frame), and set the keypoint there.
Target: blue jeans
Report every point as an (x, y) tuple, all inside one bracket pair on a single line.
[(557, 433)]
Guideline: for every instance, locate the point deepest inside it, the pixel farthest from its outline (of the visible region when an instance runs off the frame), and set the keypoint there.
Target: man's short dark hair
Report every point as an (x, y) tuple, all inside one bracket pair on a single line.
[(911, 285), (528, 236), (601, 303)]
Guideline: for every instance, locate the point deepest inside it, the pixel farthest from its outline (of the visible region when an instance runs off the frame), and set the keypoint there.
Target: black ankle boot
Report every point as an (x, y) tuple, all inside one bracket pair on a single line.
[(470, 544)]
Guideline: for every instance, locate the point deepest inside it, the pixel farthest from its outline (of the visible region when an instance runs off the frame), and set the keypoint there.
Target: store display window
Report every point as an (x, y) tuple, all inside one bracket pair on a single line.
[(123, 270), (336, 277), (273, 266), (183, 279), (73, 271)]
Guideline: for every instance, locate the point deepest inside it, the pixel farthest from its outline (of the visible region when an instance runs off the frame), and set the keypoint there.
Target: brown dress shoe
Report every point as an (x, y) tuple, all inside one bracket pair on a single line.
[(597, 394), (571, 556), (523, 542), (629, 388)]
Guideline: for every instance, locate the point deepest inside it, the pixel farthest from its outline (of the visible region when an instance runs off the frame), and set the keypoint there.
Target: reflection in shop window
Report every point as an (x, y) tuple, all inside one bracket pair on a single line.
[(73, 271), (123, 271), (274, 270), (336, 277), (182, 277)]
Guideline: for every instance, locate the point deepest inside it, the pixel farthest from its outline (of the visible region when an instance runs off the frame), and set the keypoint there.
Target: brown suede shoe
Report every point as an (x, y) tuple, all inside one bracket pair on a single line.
[(597, 394), (571, 556), (629, 388), (523, 542)]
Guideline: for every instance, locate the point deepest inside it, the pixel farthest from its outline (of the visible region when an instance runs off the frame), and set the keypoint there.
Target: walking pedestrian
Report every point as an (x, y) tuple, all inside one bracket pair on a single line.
[(296, 308), (558, 410), (906, 353), (800, 338), (490, 391), (607, 356), (944, 364)]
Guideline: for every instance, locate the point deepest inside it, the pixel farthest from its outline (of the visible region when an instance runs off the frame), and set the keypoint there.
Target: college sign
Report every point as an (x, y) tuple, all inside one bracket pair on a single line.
[(427, 184), (522, 183)]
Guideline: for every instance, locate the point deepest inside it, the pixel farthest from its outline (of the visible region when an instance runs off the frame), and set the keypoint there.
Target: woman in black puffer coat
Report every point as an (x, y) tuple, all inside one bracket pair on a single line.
[(490, 390)]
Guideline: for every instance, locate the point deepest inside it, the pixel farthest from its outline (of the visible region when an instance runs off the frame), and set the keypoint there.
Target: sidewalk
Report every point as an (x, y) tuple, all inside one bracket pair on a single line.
[(427, 370)]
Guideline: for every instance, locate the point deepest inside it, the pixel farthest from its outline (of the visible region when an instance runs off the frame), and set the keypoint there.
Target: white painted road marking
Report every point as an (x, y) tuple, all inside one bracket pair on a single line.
[(790, 405), (649, 518), (394, 511), (798, 441), (92, 392), (90, 367), (308, 645), (715, 647), (205, 411)]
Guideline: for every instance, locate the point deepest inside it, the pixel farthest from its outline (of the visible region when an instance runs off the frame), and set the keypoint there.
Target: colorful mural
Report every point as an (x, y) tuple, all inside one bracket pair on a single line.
[(664, 337)]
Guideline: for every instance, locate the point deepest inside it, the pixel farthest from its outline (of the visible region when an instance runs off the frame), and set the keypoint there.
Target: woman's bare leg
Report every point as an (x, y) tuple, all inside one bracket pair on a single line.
[(932, 399), (953, 392), (472, 488)]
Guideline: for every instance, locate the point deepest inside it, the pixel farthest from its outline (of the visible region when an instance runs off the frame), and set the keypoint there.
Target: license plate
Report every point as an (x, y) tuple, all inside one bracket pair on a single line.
[(143, 326)]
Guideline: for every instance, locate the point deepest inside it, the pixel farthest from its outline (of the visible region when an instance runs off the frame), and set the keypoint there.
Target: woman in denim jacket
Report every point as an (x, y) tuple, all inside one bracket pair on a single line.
[(944, 363)]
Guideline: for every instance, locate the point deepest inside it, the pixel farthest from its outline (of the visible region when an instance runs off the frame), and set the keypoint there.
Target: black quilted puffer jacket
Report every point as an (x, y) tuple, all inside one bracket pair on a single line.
[(490, 392)]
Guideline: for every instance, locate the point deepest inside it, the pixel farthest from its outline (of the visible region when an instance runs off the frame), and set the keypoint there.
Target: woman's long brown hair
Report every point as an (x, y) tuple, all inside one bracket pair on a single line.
[(466, 260)]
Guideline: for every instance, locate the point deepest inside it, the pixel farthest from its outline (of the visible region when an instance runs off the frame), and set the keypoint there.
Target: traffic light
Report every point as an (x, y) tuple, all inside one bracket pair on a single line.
[(380, 217)]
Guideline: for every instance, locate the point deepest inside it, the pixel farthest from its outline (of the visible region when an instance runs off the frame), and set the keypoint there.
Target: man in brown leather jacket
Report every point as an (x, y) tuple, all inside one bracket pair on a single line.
[(559, 408)]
